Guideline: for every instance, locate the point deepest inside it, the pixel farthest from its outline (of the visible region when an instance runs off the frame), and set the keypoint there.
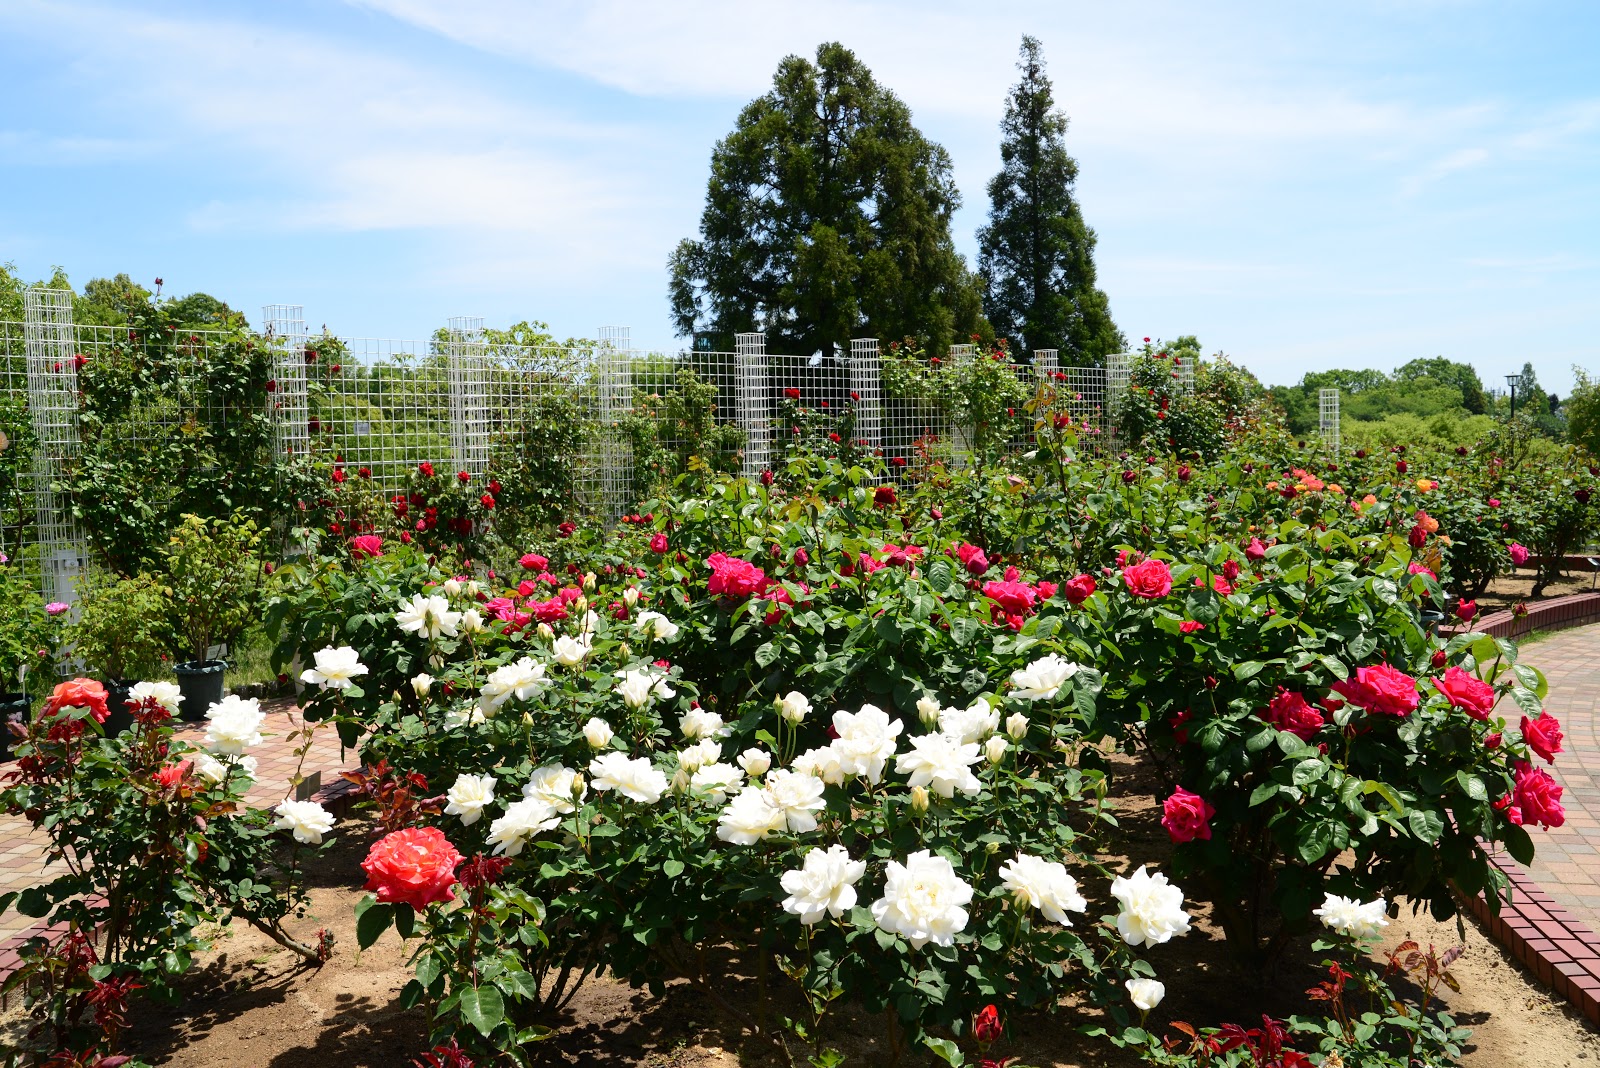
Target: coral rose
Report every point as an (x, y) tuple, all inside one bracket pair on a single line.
[(1381, 690), (1187, 816), (1151, 579), (415, 865), (1472, 695), (79, 693)]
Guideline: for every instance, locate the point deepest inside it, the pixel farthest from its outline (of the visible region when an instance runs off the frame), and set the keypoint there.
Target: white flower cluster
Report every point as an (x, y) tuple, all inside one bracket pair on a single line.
[(428, 616), (1349, 916), (335, 670), (520, 680)]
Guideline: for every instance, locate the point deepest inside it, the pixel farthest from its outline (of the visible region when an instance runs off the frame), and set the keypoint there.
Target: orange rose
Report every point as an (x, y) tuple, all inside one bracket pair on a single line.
[(79, 693)]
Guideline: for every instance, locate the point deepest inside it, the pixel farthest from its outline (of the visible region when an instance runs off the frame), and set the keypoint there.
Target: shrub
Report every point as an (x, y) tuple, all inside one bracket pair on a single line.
[(121, 631), (213, 574)]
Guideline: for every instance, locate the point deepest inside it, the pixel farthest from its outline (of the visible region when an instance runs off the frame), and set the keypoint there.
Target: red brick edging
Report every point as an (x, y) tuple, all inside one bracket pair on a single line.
[(1558, 613), (1556, 949)]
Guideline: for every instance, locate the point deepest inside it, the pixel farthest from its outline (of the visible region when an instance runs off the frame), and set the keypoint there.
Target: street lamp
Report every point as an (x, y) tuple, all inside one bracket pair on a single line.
[(1514, 381)]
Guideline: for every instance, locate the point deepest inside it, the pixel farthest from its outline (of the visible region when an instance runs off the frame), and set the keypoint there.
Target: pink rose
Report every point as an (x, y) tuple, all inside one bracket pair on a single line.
[(1190, 626), (973, 559), (1014, 598), (1078, 589), (534, 562), (1381, 690), (1187, 816), (1472, 695), (1150, 580), (416, 866), (1543, 735), (658, 542), (733, 578), (1538, 797), (1519, 554), (1255, 551), (1290, 711), (366, 547)]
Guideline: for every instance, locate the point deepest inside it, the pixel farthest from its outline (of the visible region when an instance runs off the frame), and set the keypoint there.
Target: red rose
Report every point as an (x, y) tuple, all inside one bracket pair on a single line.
[(416, 866), (173, 774), (534, 562), (1438, 659), (1543, 735), (1465, 610), (1230, 569), (338, 474), (79, 693), (426, 469), (1471, 695), (1189, 626), (972, 558), (1289, 711), (1078, 589), (1013, 597), (1492, 741), (884, 496), (1519, 554), (1538, 797), (463, 477), (733, 578), (1381, 690), (986, 1025), (658, 543), (1151, 579), (366, 547), (487, 500), (766, 477), (1418, 537), (1187, 816), (1255, 551)]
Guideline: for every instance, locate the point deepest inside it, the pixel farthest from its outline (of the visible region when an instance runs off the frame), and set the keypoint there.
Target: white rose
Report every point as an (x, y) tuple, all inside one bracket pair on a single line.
[(1152, 909), (1017, 726), (523, 820), (797, 796), (468, 796), (557, 786), (655, 625), (452, 588), (544, 631), (751, 816), (824, 763), (421, 684), (698, 723), (639, 687), (928, 711), (521, 680), (866, 741), (716, 780), (472, 622), (335, 668), (1044, 885), (793, 706), (456, 716), (995, 748), (234, 725), (823, 884), (570, 651), (1042, 679), (1349, 916), (630, 596), (923, 901), (941, 763), (1146, 993), (636, 779), (755, 762), (971, 724), (211, 769), (165, 694), (308, 820), (705, 751), (428, 617), (597, 732)]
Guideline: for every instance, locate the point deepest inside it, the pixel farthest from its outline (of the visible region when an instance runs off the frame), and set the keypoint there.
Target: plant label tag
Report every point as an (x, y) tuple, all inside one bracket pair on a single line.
[(216, 652), (308, 787), (363, 428)]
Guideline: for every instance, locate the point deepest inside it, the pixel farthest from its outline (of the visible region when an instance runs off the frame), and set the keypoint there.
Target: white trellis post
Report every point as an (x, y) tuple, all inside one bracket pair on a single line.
[(1119, 368), (960, 436), (285, 325), (469, 394), (1328, 419), (53, 402), (1046, 362), (754, 400), (613, 367), (865, 375)]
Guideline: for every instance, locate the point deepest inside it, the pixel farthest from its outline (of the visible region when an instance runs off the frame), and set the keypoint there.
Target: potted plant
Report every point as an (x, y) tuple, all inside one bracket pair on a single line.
[(29, 631), (213, 580), (121, 634)]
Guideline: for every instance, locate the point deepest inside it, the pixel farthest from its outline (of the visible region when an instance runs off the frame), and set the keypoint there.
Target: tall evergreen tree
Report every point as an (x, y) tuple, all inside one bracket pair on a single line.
[(1036, 255), (827, 217)]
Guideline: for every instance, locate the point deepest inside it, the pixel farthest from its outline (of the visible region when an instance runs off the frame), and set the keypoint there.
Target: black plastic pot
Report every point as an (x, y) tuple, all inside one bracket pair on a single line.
[(13, 707), (119, 718), (200, 682)]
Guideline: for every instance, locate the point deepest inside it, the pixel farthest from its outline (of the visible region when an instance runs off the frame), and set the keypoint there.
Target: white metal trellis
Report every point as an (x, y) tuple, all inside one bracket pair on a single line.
[(614, 360), (1328, 419), (865, 375), (53, 403), (1046, 361), (285, 325), (960, 436), (468, 373), (753, 397)]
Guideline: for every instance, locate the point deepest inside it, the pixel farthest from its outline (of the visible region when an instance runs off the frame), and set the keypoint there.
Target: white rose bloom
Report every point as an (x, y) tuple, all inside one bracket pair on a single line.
[(428, 617), (630, 596), (471, 587), (716, 780), (697, 723), (923, 901), (598, 733), (655, 625), (211, 769), (971, 724), (1349, 916), (556, 786), (866, 741), (1152, 909), (589, 622), (1044, 885), (755, 762), (544, 631), (468, 796), (928, 711), (457, 716), (639, 687), (233, 725), (421, 684), (941, 763), (797, 796), (1146, 993), (793, 706), (570, 651), (472, 622), (308, 820), (165, 694), (824, 763), (335, 668), (636, 778), (824, 883), (523, 820), (1017, 726), (1043, 679), (452, 588), (995, 748), (706, 751), (751, 816), (521, 680)]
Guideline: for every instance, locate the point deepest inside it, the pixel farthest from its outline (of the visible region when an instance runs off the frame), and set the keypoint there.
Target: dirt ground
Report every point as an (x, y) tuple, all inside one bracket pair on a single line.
[(1507, 590), (250, 1004)]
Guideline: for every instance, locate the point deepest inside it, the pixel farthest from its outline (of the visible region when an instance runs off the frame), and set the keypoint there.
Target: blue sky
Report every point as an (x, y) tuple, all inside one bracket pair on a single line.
[(1337, 185)]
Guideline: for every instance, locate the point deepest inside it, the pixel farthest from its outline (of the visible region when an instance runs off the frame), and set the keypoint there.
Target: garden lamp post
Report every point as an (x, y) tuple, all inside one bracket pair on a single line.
[(1513, 381)]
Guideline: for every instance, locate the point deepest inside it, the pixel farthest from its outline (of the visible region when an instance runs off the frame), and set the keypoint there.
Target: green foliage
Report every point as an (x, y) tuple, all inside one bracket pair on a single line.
[(674, 431), (28, 634), (1583, 413), (1036, 254), (985, 396), (121, 630), (827, 218), (213, 577), (538, 461)]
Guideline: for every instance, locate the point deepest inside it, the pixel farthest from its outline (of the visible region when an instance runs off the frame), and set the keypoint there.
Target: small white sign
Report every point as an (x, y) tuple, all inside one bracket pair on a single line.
[(363, 428), (216, 652)]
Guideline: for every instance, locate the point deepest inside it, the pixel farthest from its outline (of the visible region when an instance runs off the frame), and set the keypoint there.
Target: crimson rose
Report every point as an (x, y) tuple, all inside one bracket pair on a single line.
[(1187, 816), (1468, 693)]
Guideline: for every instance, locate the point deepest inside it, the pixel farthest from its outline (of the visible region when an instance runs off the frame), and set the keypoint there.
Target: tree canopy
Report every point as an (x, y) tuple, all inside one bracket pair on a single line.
[(827, 217), (1036, 254)]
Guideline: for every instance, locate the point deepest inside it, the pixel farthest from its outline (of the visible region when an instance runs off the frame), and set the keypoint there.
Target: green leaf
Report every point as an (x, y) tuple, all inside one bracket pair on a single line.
[(672, 867), (1518, 844), (1472, 786), (946, 1050), (1309, 771), (1426, 824), (482, 1007), (1265, 792), (372, 919)]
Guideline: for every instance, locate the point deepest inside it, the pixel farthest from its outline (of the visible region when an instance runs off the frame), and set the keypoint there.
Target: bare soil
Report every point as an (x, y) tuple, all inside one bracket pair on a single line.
[(252, 1004), (1507, 590)]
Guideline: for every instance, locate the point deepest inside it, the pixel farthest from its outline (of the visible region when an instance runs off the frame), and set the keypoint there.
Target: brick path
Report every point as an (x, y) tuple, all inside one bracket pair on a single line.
[(22, 852)]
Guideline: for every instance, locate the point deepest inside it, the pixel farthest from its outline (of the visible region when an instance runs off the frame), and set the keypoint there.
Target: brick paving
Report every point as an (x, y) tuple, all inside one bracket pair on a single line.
[(22, 851)]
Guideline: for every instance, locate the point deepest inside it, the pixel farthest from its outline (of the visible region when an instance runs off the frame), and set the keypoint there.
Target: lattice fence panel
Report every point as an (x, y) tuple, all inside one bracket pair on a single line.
[(1328, 419)]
